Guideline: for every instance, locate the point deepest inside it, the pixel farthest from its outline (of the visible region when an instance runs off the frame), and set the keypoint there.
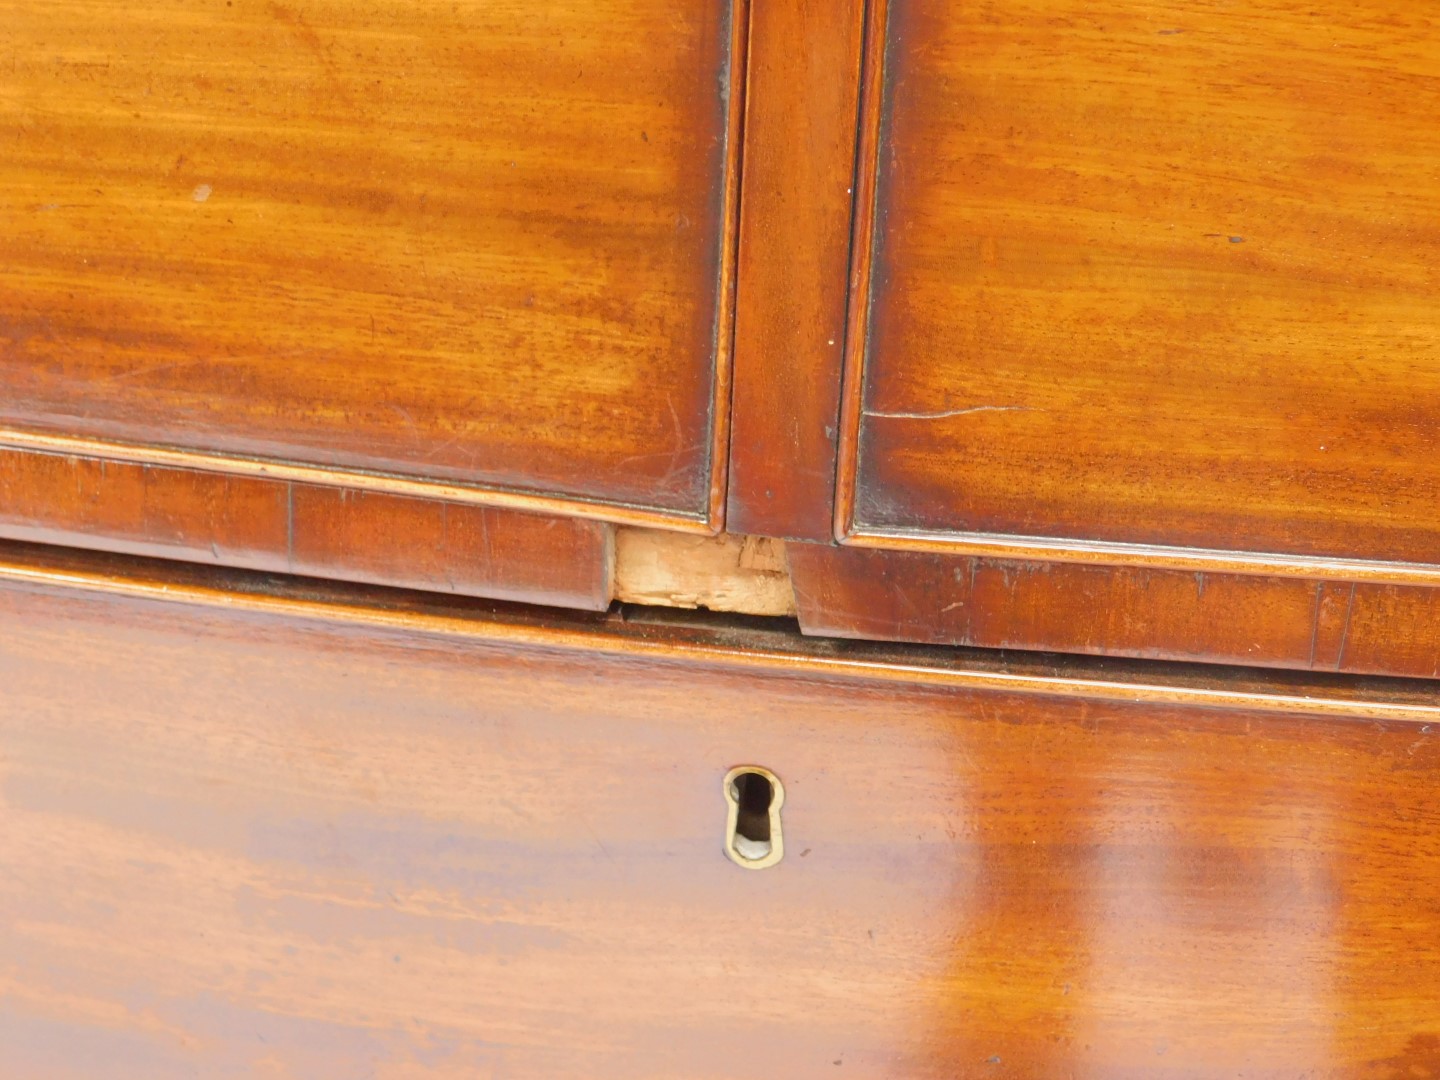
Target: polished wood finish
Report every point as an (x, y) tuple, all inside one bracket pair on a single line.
[(466, 245), (292, 296), (264, 524), (1151, 286), (1116, 611), (471, 550), (803, 81), (287, 832), (755, 644)]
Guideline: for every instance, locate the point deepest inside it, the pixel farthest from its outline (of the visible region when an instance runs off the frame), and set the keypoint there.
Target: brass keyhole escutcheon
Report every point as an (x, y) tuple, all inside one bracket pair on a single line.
[(753, 798)]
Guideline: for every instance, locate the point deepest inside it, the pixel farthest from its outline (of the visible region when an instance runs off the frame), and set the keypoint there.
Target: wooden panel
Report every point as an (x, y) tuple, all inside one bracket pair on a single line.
[(1117, 611), (145, 510), (262, 524), (263, 834), (1153, 285), (803, 83), (474, 550), (465, 244)]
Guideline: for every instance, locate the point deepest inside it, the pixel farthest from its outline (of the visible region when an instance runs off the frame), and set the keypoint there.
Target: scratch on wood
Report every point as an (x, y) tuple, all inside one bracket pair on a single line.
[(1345, 632), (446, 563), (941, 414), (290, 526)]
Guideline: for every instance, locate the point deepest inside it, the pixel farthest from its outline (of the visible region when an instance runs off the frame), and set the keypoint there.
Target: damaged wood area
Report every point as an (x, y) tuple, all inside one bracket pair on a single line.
[(747, 575)]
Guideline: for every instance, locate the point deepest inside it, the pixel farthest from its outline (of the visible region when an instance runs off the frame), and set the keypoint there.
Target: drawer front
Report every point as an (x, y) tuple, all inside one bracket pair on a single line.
[(1150, 285), (257, 523), (252, 832), (1362, 628), (468, 244)]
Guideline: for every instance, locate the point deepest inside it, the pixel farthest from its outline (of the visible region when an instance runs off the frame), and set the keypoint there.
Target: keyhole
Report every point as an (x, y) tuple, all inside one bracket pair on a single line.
[(754, 796), (752, 821)]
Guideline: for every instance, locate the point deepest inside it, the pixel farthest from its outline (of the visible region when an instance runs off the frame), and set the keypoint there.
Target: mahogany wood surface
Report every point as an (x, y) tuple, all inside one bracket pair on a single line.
[(802, 90), (263, 524), (488, 245), (291, 831), (922, 596), (1141, 280)]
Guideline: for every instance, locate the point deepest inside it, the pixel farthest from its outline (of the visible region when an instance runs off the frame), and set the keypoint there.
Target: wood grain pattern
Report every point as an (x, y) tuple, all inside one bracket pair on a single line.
[(1117, 611), (757, 645), (261, 524), (468, 244), (803, 80), (471, 550), (264, 841), (1156, 278)]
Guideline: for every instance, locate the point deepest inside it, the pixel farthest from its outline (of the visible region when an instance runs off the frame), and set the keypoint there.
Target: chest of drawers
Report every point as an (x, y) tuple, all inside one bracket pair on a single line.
[(1042, 398)]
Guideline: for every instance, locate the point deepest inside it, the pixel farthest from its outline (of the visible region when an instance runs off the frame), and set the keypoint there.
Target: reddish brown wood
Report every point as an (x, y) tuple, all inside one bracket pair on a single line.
[(441, 547), (1116, 611), (862, 265), (273, 525), (803, 79), (1141, 290), (145, 510), (474, 246), (1380, 628), (284, 832)]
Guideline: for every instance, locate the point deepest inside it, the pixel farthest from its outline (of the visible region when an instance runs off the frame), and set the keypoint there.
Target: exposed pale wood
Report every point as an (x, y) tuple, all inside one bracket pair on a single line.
[(464, 245), (268, 840), (1150, 286), (744, 574)]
